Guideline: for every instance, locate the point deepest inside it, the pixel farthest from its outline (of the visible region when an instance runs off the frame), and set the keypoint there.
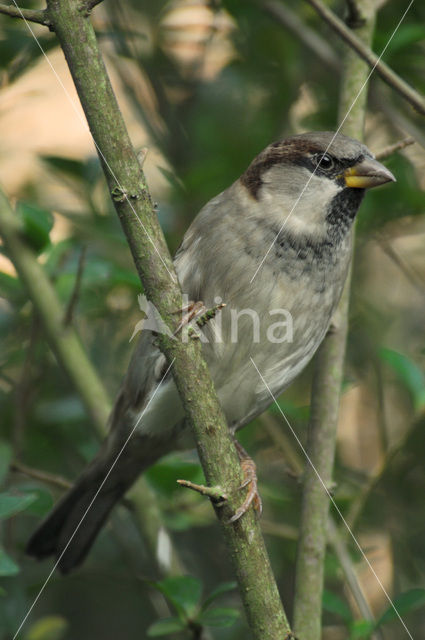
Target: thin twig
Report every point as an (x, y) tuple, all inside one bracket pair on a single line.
[(279, 529), (382, 69), (338, 544), (407, 271), (324, 52), (31, 15), (358, 505), (393, 148), (69, 313), (295, 464), (215, 493), (284, 15), (38, 474)]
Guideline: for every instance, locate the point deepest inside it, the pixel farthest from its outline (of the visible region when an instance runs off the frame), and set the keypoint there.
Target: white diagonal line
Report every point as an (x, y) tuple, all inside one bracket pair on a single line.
[(83, 121), (333, 138), (92, 501), (333, 501)]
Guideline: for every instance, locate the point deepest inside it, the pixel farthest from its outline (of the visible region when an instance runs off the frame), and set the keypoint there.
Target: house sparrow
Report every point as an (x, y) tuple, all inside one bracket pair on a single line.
[(275, 244)]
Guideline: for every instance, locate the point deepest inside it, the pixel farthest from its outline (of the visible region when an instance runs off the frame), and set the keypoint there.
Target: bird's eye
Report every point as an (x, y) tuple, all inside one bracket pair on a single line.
[(324, 161)]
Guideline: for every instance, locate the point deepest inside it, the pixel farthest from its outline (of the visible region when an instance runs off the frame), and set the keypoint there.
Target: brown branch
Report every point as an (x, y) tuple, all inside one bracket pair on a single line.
[(308, 36), (382, 69), (393, 148), (38, 474), (30, 15)]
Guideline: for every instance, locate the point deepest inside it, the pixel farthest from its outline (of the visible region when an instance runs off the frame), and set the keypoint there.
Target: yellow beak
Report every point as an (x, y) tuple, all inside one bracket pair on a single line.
[(366, 174)]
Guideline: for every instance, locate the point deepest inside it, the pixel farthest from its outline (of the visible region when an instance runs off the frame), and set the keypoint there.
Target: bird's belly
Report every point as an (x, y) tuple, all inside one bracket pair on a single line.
[(292, 324)]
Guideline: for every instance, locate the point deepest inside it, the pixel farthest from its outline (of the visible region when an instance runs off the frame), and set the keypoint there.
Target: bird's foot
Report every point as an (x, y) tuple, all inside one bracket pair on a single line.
[(198, 313), (250, 480), (189, 312)]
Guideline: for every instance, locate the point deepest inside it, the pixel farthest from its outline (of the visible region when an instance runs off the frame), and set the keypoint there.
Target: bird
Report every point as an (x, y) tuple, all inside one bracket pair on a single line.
[(275, 249)]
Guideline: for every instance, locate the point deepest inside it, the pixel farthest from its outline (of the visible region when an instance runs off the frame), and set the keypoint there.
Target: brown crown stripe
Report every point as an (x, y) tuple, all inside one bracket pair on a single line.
[(276, 153)]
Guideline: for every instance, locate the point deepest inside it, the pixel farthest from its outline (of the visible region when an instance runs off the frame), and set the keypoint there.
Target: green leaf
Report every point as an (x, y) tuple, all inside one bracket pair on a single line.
[(222, 588), (334, 604), (43, 500), (165, 627), (405, 602), (361, 629), (37, 224), (164, 474), (406, 36), (409, 374), (290, 409), (11, 504), (184, 593), (5, 457), (218, 617), (48, 628), (8, 567), (70, 166)]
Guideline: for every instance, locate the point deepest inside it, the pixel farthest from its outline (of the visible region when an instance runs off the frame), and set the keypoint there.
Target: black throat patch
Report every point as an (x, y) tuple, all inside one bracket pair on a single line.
[(341, 212)]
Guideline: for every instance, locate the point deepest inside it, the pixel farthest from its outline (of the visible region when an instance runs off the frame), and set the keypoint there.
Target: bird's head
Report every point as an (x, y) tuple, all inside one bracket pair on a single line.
[(313, 181)]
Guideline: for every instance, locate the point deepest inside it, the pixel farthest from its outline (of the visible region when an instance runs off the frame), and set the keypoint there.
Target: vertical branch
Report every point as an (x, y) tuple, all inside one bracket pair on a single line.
[(328, 375)]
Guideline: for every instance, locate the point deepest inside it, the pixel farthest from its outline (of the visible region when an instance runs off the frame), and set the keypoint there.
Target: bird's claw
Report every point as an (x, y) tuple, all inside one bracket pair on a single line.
[(190, 311), (253, 496), (197, 312)]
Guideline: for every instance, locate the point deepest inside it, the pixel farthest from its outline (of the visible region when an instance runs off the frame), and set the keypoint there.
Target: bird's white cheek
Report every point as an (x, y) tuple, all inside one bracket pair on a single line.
[(316, 198), (304, 205)]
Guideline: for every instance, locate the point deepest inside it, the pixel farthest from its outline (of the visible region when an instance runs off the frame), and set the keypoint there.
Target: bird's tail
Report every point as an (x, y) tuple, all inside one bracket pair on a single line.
[(69, 530)]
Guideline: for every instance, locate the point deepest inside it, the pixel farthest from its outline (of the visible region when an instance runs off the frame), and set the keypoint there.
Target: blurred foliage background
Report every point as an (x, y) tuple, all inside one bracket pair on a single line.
[(205, 86)]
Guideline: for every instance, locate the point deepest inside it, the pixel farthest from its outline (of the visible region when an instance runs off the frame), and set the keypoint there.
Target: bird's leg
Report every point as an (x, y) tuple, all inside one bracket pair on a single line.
[(189, 312), (250, 480), (197, 311)]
